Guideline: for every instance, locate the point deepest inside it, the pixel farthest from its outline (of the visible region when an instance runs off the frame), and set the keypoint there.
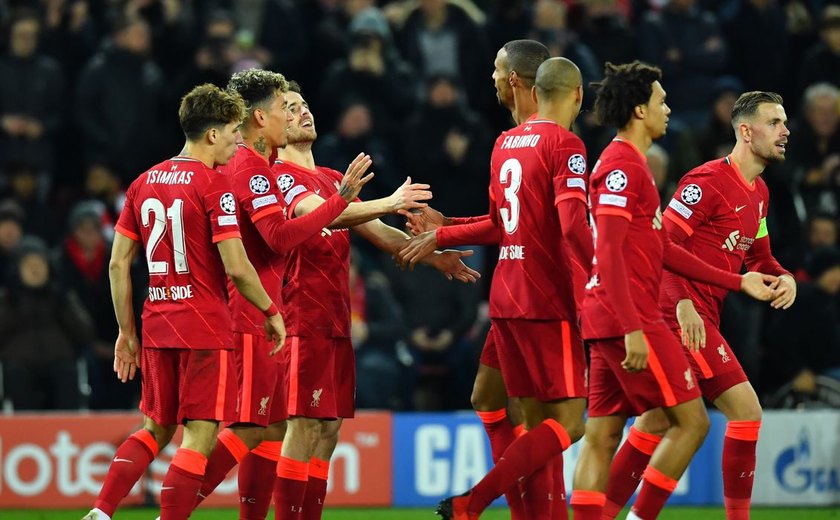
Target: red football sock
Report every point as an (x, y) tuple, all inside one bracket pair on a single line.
[(181, 484), (316, 489), (537, 490), (256, 480), (587, 505), (559, 509), (525, 455), (501, 434), (627, 468), (656, 489), (130, 462), (229, 451), (739, 467), (290, 488)]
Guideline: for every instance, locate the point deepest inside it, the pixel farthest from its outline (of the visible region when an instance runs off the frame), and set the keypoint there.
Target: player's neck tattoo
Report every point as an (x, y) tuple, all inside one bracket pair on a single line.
[(259, 145)]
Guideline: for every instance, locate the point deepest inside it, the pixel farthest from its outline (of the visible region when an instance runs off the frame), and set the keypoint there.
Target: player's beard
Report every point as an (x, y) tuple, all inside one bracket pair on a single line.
[(301, 135), (770, 155)]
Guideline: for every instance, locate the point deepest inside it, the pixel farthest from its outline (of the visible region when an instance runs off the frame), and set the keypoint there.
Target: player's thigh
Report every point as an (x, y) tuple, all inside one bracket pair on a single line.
[(257, 374), (543, 359), (689, 415), (739, 403), (489, 392), (208, 390), (320, 377)]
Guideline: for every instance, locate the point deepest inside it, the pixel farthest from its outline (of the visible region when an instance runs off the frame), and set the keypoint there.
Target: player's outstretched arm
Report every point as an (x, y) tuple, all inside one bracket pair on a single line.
[(244, 276), (428, 219), (127, 346), (408, 196), (481, 232), (283, 235)]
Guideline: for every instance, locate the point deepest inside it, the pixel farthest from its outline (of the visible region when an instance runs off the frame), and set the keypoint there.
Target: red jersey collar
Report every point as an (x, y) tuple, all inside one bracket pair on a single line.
[(633, 146)]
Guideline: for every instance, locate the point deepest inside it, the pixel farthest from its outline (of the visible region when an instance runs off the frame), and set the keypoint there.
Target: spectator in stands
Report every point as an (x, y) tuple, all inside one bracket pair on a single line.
[(815, 151), (440, 38), (69, 35), (330, 21), (377, 327), (438, 315), (103, 185), (687, 44), (454, 152), (31, 96), (29, 190), (119, 101), (509, 20), (607, 32), (658, 161), (717, 138), (804, 341), (43, 328), (821, 232), (758, 45), (822, 62), (83, 268), (12, 218), (373, 73), (354, 133)]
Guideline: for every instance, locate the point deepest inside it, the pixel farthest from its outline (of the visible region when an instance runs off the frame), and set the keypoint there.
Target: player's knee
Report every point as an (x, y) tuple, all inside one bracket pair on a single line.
[(575, 430), (602, 439), (655, 423), (484, 401), (697, 424), (162, 434)]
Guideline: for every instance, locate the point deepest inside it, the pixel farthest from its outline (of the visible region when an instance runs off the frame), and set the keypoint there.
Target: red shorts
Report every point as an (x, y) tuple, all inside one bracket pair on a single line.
[(716, 367), (543, 359), (668, 380), (262, 390), (182, 384), (320, 377), (489, 355)]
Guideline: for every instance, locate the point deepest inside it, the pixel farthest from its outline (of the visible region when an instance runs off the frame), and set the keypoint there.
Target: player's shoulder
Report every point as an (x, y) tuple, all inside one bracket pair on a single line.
[(620, 156), (708, 172), (329, 172)]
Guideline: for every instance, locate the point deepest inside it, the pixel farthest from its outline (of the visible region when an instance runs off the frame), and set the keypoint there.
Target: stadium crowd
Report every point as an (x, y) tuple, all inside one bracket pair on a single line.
[(89, 90)]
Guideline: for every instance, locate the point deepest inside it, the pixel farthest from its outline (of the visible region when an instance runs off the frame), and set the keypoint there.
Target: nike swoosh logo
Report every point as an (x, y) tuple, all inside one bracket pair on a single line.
[(165, 488), (739, 208), (117, 459)]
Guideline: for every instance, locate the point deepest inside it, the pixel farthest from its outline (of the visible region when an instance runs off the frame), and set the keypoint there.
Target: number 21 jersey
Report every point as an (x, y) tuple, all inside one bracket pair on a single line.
[(534, 167), (178, 210)]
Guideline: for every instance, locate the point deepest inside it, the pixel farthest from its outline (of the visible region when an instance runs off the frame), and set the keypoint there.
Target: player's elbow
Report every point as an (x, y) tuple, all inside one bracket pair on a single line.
[(237, 271)]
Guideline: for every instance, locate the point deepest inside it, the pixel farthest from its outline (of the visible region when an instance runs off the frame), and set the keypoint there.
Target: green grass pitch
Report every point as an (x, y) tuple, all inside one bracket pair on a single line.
[(670, 513)]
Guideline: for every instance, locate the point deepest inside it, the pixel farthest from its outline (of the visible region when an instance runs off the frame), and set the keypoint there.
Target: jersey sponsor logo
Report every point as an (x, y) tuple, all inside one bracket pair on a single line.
[(616, 180), (263, 406), (680, 208), (259, 184), (316, 398), (577, 164), (292, 193), (736, 240), (227, 220), (576, 183), (613, 200), (264, 201), (228, 203), (657, 219), (689, 379), (724, 357), (285, 182), (172, 292), (691, 194)]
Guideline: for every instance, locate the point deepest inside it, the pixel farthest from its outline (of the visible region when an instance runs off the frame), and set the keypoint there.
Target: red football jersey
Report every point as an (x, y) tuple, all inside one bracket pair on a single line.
[(622, 185), (258, 197), (722, 216), (179, 209), (534, 166), (317, 290)]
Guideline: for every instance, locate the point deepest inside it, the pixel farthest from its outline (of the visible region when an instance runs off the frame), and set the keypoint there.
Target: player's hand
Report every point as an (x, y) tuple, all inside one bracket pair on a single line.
[(637, 352), (755, 284), (449, 263), (692, 328), (275, 330), (126, 356), (410, 196), (784, 292), (423, 219), (416, 249), (353, 182)]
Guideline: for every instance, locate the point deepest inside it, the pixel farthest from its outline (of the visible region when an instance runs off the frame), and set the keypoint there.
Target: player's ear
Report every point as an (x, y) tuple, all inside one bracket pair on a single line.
[(579, 94), (745, 131), (639, 111), (212, 134), (534, 93)]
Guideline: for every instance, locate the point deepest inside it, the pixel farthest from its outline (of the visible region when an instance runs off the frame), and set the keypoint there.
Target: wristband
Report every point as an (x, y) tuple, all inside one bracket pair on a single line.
[(271, 311)]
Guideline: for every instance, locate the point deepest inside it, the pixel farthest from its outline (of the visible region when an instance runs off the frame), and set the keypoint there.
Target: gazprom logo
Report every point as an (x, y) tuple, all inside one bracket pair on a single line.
[(796, 472)]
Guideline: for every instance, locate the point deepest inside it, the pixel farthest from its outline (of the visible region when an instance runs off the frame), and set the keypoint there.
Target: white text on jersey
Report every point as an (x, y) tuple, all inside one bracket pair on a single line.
[(512, 252), (520, 141), (164, 177), (174, 293)]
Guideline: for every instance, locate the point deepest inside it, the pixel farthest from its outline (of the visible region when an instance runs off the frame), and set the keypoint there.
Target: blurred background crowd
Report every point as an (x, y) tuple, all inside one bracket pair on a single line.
[(89, 91)]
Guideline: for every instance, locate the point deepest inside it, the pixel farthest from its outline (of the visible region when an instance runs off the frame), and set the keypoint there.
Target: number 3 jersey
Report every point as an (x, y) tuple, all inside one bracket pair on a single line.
[(534, 167), (178, 210)]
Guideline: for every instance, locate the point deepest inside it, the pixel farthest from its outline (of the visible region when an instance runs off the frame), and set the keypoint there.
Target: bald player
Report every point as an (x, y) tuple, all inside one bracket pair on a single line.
[(538, 206)]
